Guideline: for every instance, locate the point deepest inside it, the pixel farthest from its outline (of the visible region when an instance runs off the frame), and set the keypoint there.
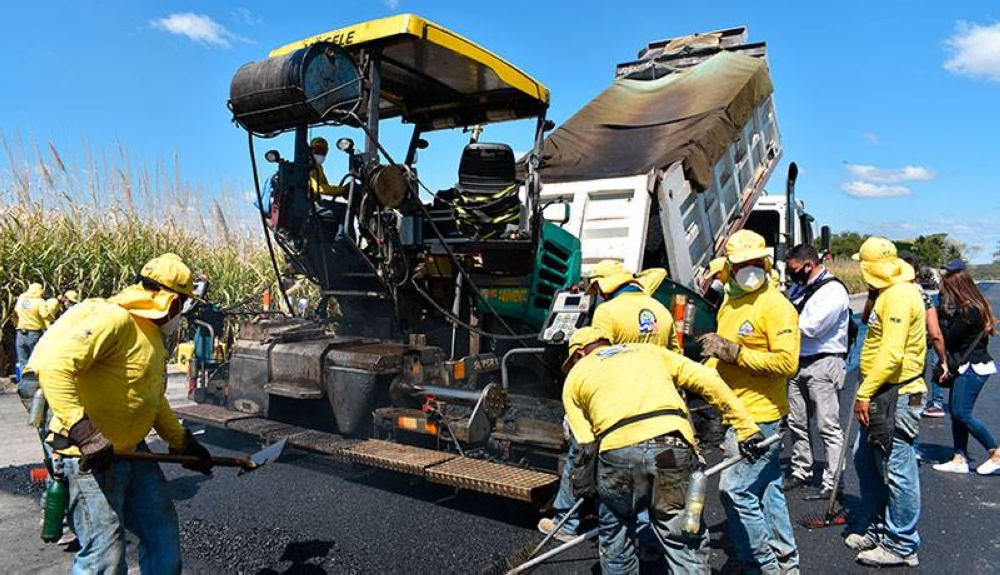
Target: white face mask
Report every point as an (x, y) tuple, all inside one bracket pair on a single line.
[(171, 325), (319, 159), (717, 285), (751, 277)]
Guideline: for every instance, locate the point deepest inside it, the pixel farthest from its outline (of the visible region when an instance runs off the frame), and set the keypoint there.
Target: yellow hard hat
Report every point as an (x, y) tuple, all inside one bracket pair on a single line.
[(71, 296), (746, 245), (609, 275), (582, 338), (319, 145), (881, 267), (169, 273)]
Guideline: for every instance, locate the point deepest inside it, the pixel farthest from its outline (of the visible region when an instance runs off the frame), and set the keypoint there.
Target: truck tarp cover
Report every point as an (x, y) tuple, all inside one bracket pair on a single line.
[(635, 126)]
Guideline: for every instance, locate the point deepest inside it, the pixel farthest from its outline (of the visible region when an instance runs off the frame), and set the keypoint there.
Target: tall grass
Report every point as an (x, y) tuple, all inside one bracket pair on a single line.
[(849, 272), (90, 224)]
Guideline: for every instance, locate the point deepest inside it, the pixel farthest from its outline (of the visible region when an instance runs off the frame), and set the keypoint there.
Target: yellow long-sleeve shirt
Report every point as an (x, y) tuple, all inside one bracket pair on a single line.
[(624, 380), (896, 343), (100, 360), (319, 186), (634, 317), (765, 324), (32, 313)]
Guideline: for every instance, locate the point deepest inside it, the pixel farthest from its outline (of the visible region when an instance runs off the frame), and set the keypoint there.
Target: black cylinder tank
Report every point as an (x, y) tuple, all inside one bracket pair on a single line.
[(308, 86)]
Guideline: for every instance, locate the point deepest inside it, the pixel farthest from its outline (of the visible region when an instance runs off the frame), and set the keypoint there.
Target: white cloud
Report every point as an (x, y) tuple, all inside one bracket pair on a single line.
[(861, 189), (871, 138), (197, 27), (975, 51), (391, 4), (246, 16), (890, 176)]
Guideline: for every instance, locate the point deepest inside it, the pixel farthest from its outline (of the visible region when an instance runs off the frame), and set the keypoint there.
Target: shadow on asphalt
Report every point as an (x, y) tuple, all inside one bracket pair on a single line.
[(299, 553)]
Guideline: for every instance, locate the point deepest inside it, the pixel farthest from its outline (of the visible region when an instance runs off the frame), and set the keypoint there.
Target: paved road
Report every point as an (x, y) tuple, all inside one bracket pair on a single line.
[(309, 515)]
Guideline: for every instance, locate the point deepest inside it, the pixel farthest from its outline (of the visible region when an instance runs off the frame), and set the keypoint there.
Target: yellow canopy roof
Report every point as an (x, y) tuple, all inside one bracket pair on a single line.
[(434, 77)]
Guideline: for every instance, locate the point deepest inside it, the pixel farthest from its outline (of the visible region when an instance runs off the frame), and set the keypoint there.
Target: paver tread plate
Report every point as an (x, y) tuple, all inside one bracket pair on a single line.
[(388, 455), (257, 426), (321, 442), (212, 414), (492, 478)]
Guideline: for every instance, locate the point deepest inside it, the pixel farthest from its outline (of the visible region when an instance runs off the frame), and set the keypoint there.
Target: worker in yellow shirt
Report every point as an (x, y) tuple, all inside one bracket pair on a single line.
[(102, 369), (756, 351), (31, 314), (628, 314), (623, 405), (888, 405)]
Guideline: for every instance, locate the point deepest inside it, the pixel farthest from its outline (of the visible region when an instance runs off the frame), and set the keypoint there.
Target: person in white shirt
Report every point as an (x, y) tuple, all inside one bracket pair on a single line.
[(824, 317)]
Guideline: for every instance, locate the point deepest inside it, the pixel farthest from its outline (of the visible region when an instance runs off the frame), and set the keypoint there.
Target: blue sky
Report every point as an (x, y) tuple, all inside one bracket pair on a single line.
[(889, 108)]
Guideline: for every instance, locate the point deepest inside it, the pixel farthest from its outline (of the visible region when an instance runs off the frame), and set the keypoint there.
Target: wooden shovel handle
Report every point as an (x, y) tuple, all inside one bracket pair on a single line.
[(245, 464)]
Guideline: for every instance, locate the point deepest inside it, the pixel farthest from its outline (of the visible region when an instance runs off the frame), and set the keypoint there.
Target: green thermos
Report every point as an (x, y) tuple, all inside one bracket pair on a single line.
[(56, 502)]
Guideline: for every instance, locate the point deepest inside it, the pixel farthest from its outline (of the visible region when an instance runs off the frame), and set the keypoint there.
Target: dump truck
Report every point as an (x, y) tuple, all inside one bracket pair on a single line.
[(453, 307)]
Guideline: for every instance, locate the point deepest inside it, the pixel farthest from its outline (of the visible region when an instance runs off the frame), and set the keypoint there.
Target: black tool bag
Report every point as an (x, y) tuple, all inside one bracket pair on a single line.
[(882, 418), (584, 473)]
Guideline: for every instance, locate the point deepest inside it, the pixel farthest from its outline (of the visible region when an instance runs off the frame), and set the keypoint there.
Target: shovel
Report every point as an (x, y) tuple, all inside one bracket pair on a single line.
[(246, 464)]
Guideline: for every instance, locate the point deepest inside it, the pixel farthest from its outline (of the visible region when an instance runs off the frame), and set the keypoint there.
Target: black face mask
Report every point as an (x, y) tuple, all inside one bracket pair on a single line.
[(801, 276)]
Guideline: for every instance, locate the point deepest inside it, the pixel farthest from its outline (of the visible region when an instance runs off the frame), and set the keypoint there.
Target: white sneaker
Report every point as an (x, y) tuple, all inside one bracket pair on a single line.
[(882, 557), (859, 542), (988, 467), (953, 467)]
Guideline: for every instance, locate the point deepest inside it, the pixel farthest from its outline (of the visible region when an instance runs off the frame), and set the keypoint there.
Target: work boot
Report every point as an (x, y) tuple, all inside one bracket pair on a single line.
[(859, 542), (546, 526), (795, 482), (882, 557)]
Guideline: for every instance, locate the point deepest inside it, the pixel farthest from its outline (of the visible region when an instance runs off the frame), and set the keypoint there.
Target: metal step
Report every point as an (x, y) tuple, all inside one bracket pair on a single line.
[(294, 390), (215, 415), (393, 456), (493, 478)]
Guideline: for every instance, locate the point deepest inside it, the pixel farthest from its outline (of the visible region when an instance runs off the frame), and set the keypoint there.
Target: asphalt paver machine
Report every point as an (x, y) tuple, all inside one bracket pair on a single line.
[(431, 362)]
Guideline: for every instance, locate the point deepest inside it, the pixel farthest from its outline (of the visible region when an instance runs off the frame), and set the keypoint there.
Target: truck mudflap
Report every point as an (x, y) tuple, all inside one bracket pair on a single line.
[(434, 466)]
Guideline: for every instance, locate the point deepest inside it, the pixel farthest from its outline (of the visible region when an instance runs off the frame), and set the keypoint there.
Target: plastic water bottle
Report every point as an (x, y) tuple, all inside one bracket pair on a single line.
[(36, 415), (56, 502), (694, 503)]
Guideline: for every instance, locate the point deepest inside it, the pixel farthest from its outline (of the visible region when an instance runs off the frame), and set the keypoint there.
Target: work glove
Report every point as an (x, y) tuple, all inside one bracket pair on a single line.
[(193, 448), (751, 449), (96, 452), (714, 345)]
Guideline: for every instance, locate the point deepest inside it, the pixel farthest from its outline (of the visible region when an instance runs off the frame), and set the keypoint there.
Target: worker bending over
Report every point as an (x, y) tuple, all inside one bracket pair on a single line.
[(102, 369), (627, 395), (756, 350), (627, 315), (888, 405)]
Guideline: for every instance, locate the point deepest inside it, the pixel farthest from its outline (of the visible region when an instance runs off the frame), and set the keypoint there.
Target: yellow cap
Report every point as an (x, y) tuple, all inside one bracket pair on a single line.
[(610, 275), (875, 249), (746, 245), (319, 144), (582, 338), (173, 278), (71, 296), (880, 265)]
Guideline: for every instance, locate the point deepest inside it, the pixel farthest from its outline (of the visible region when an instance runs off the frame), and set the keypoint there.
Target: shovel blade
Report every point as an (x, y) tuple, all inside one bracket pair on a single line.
[(267, 455)]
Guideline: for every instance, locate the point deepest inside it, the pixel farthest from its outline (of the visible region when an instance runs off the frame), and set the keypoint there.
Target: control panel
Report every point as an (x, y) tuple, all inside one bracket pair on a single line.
[(569, 311)]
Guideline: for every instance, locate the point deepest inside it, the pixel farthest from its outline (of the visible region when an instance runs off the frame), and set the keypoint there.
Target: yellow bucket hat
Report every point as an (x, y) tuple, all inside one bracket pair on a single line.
[(34, 290), (582, 338), (880, 265), (170, 274), (71, 296), (610, 275), (746, 245), (718, 267)]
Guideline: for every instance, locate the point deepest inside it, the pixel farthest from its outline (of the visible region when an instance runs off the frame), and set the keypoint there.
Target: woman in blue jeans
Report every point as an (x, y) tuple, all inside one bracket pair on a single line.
[(969, 324)]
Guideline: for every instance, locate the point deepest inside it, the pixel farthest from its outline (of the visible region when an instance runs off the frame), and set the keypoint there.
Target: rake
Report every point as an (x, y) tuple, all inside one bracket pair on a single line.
[(833, 516)]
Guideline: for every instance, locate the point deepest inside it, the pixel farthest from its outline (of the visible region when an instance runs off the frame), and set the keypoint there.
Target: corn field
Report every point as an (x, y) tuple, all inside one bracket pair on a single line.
[(90, 225)]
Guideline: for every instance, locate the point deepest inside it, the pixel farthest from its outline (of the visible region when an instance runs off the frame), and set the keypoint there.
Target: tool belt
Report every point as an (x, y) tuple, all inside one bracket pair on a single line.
[(882, 415), (584, 474), (28, 331)]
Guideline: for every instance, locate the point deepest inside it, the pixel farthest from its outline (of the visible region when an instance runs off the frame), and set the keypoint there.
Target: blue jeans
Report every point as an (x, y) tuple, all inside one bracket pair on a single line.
[(24, 344), (564, 498), (130, 495), (935, 397), (628, 482), (963, 398), (757, 520), (890, 491)]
